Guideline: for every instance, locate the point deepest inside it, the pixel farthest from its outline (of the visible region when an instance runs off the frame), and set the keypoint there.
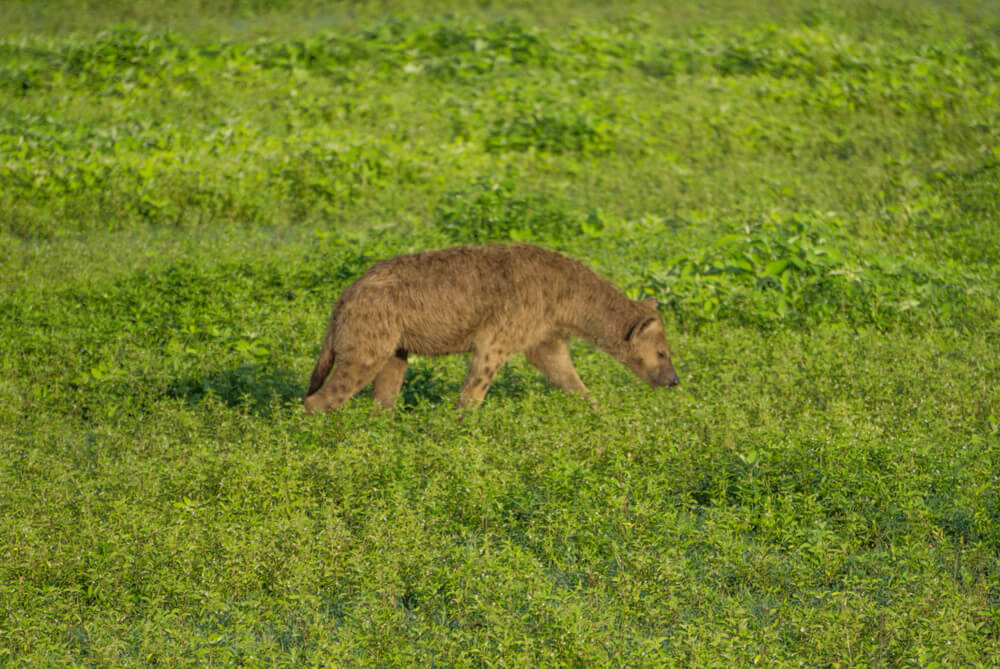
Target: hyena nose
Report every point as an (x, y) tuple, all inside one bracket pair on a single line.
[(674, 381)]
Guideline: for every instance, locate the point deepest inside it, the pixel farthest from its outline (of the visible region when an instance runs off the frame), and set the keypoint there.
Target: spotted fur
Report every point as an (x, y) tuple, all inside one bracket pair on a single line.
[(493, 301)]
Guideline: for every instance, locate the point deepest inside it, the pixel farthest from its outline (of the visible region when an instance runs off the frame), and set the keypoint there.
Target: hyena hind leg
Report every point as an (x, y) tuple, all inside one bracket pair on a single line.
[(483, 366), (347, 378), (389, 379)]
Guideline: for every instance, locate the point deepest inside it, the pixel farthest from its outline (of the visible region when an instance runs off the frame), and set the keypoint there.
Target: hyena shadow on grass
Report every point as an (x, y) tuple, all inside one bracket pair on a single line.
[(256, 388), (432, 383), (423, 385)]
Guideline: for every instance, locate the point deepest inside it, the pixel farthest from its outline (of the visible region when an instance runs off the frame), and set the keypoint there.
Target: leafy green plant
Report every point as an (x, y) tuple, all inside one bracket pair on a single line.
[(798, 271), (491, 211), (554, 132)]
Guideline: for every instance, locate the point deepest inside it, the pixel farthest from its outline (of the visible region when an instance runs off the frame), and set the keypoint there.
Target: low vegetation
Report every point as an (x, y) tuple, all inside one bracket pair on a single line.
[(810, 191)]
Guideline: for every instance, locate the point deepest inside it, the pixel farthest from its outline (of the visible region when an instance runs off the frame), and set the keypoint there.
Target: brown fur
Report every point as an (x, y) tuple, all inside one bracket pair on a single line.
[(493, 301)]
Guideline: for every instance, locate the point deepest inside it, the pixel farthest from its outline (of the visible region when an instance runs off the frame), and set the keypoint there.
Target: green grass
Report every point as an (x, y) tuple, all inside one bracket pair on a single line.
[(811, 190)]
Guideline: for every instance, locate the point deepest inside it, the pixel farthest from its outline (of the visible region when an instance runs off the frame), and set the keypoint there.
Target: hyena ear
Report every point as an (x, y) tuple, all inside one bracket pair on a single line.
[(650, 302), (637, 327)]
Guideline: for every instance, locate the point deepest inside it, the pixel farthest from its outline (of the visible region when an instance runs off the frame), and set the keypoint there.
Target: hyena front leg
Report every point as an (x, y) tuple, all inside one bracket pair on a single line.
[(483, 366), (551, 356)]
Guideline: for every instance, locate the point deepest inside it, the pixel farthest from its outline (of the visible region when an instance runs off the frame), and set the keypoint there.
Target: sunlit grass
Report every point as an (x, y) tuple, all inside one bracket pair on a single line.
[(811, 192)]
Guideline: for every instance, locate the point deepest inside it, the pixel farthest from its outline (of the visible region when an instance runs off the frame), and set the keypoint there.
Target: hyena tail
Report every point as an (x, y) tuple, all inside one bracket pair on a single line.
[(323, 366)]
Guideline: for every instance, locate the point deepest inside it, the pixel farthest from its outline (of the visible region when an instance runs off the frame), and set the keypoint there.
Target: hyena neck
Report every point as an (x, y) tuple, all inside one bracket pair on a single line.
[(602, 314)]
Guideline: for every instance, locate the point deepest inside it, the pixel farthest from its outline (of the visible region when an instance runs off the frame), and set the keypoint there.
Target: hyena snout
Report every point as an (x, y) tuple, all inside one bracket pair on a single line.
[(664, 376), (657, 375)]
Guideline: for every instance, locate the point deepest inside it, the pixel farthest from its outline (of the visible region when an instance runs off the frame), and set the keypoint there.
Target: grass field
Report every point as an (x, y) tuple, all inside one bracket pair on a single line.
[(810, 189)]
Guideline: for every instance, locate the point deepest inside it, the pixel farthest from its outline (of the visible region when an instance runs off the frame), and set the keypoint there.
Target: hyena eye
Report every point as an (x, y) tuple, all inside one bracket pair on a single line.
[(661, 354)]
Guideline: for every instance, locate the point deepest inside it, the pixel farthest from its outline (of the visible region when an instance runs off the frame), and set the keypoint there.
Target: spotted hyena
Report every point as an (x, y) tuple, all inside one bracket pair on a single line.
[(493, 301)]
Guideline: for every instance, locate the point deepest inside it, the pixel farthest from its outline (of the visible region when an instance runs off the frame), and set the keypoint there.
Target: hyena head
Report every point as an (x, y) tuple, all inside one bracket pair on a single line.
[(646, 352)]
